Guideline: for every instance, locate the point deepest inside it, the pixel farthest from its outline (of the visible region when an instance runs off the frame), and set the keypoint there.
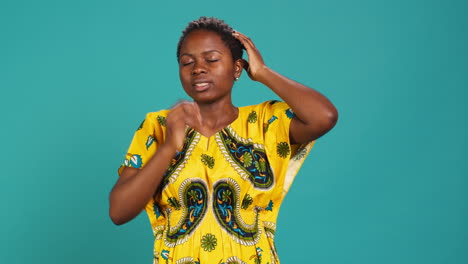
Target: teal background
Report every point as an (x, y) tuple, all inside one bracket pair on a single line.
[(387, 185)]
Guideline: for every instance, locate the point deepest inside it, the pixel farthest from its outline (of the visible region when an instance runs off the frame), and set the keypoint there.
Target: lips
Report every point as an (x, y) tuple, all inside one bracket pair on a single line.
[(201, 85)]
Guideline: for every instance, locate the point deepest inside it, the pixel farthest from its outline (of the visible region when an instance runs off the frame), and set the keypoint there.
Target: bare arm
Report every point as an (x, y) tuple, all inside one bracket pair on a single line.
[(315, 114), (135, 187)]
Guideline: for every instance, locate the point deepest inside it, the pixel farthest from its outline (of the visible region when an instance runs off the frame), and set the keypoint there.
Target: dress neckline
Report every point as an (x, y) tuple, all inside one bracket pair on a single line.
[(227, 126)]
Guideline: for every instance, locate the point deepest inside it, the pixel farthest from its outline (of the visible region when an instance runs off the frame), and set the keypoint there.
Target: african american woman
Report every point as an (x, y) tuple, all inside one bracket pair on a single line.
[(210, 175)]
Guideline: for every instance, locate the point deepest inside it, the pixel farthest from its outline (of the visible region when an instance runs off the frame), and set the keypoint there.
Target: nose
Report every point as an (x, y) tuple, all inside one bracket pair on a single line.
[(198, 68)]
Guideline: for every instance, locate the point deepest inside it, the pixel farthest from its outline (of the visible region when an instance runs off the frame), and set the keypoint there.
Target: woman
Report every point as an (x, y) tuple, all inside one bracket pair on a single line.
[(210, 175)]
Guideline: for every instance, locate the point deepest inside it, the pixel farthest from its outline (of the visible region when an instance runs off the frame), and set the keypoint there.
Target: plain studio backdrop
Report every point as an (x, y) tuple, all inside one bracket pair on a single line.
[(386, 185)]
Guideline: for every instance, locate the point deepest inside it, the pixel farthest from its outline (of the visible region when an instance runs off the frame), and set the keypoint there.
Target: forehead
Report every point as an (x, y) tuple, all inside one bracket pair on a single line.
[(202, 40)]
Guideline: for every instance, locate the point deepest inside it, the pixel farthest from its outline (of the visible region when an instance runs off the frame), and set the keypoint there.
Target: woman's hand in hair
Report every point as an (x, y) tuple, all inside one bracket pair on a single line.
[(255, 66)]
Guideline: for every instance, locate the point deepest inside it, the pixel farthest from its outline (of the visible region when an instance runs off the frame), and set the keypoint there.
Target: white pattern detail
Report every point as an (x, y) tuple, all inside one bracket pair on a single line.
[(274, 256), (241, 223), (294, 165), (158, 231), (269, 226), (234, 260), (155, 256), (179, 168), (186, 260), (239, 169), (184, 213)]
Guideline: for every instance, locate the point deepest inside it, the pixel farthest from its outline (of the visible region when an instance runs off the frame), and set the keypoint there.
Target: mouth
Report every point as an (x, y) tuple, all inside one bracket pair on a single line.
[(201, 86)]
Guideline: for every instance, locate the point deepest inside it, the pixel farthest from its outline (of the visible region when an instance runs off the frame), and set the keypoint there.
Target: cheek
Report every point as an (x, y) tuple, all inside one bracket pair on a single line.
[(185, 84), (226, 73), (184, 77)]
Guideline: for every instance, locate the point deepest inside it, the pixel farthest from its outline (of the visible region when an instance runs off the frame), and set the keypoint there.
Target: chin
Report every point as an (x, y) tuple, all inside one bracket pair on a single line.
[(208, 97)]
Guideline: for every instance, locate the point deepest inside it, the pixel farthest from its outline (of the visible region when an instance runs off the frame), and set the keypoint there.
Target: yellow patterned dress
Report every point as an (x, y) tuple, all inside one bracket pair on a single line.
[(219, 199)]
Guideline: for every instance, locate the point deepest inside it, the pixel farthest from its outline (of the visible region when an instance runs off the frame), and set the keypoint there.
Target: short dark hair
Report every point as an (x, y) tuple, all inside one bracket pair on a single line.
[(217, 26)]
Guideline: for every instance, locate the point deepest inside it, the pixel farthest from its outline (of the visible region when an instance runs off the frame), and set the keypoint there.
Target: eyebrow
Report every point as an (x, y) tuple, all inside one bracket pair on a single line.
[(205, 52)]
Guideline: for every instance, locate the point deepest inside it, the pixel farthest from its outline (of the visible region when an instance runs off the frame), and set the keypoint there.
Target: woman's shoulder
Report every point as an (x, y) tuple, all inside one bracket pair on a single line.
[(267, 108), (162, 112), (157, 116), (267, 104)]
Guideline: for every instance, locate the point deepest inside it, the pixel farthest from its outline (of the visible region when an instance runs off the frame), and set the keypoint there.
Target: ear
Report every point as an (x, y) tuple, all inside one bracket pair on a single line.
[(238, 66)]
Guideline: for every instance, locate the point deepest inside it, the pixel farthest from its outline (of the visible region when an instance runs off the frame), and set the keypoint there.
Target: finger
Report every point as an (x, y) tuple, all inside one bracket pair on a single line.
[(243, 41), (185, 107), (252, 51), (237, 36), (245, 65), (177, 114), (243, 38), (192, 115), (191, 109), (178, 103), (197, 112)]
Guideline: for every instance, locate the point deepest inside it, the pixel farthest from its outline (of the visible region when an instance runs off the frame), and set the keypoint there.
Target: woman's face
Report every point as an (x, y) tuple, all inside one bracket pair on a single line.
[(206, 67)]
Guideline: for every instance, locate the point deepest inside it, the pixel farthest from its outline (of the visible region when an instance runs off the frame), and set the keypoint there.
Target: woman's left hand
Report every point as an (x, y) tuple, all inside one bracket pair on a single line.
[(315, 115), (255, 66)]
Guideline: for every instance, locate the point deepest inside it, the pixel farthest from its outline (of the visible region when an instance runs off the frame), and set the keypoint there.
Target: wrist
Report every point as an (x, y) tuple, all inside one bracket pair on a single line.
[(263, 75), (168, 148)]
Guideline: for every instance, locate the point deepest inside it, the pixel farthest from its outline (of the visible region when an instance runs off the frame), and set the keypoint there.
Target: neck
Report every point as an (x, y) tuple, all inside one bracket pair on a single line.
[(217, 115)]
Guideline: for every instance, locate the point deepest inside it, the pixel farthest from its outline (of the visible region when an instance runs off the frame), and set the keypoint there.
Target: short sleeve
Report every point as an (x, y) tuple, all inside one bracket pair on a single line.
[(285, 159), (145, 141)]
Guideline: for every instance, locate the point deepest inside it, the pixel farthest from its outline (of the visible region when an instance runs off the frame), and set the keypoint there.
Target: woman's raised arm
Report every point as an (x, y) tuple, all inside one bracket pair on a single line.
[(315, 115)]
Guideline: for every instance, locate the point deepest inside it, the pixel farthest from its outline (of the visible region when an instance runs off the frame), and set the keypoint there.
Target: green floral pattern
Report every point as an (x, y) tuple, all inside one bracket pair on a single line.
[(208, 160), (209, 242), (260, 165), (247, 159), (247, 201), (252, 118), (161, 120), (172, 201), (240, 188), (300, 153), (193, 195), (228, 142), (283, 149), (226, 196)]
